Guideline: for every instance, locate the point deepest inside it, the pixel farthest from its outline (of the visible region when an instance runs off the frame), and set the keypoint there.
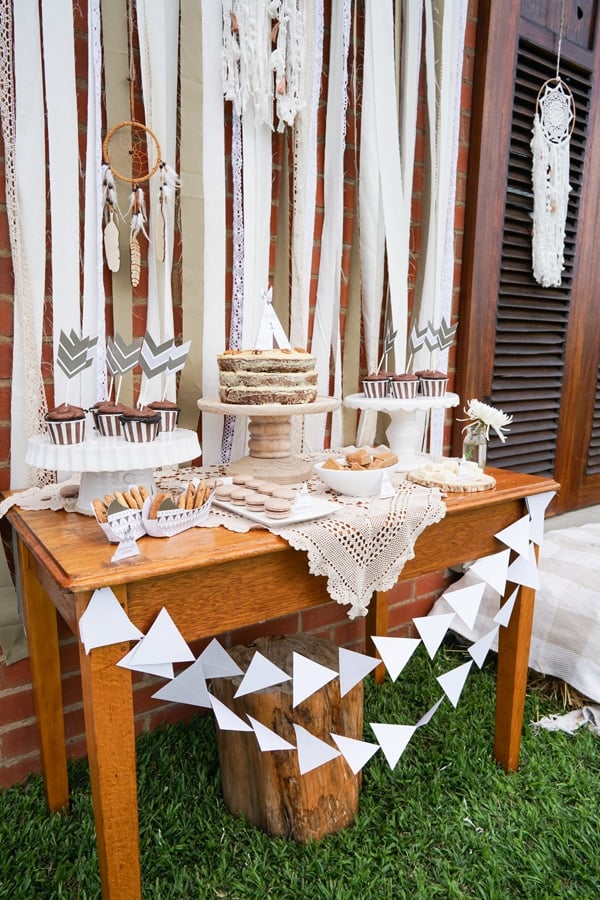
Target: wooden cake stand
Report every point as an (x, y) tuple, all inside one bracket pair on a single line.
[(270, 454), (405, 431)]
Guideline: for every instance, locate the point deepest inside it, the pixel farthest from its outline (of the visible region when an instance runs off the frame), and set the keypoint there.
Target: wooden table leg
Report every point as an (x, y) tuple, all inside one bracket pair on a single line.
[(108, 709), (377, 625), (511, 684), (41, 627)]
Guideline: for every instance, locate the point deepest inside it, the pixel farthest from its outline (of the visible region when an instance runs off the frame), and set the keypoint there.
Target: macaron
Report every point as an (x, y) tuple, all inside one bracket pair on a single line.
[(241, 480), (223, 491), (256, 502), (277, 508), (239, 495), (285, 493)]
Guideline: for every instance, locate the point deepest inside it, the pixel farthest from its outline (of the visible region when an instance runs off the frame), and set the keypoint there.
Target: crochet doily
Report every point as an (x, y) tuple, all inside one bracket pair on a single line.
[(361, 548)]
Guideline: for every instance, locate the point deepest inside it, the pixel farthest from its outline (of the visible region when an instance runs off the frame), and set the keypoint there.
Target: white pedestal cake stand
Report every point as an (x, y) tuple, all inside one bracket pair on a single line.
[(112, 463), (405, 431), (270, 437)]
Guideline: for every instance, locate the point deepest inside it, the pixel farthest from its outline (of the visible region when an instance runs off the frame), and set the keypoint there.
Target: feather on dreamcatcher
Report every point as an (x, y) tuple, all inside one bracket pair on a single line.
[(550, 146), (136, 142)]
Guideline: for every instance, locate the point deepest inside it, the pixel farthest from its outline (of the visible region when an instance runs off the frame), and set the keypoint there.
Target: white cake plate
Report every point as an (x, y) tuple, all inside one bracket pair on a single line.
[(112, 463), (270, 454), (405, 431)]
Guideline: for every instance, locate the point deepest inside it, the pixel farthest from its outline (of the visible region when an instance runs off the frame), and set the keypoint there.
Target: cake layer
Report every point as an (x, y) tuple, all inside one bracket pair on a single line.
[(267, 379), (266, 361), (255, 396)]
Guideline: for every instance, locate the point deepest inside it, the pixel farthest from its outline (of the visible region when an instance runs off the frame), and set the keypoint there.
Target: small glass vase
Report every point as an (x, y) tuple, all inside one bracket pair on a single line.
[(475, 444)]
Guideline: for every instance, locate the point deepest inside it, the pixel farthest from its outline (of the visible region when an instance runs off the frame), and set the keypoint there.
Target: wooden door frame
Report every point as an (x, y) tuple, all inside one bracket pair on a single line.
[(498, 30)]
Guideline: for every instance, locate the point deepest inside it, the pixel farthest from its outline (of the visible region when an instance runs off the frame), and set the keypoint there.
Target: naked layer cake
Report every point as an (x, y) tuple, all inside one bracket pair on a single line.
[(255, 377)]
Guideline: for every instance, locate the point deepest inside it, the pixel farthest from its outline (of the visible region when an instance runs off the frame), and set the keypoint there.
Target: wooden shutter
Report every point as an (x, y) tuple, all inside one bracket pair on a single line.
[(532, 321), (533, 351)]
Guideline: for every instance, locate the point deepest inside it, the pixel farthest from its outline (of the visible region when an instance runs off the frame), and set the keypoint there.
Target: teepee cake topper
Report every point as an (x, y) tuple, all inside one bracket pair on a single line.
[(270, 331)]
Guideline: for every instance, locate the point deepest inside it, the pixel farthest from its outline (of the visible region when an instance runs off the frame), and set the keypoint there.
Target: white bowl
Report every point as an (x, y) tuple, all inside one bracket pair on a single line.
[(366, 483)]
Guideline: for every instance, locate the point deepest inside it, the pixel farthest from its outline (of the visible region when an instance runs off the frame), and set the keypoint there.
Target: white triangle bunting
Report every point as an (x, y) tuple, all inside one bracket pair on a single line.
[(433, 630), (309, 676), (312, 751)]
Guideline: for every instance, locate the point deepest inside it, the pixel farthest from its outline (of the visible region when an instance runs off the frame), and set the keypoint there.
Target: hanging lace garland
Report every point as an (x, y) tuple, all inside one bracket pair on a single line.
[(550, 147)]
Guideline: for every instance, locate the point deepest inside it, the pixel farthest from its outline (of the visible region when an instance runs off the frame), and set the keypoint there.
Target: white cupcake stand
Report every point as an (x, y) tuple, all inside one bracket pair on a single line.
[(270, 454), (112, 463), (405, 431)]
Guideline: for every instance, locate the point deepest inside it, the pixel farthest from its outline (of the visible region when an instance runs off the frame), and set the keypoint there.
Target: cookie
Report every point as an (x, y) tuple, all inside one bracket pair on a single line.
[(100, 509), (277, 508)]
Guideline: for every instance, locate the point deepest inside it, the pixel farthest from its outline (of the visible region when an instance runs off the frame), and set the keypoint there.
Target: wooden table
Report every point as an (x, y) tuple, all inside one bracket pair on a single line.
[(212, 581)]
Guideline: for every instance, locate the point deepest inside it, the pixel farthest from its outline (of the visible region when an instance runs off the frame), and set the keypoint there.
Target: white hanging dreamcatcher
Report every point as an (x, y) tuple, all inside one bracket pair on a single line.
[(136, 142), (552, 128)]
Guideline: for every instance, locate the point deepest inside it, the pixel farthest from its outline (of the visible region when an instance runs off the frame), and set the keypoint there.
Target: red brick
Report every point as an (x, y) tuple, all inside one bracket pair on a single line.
[(21, 740), (17, 706), (319, 617), (402, 615), (15, 773), (432, 583)]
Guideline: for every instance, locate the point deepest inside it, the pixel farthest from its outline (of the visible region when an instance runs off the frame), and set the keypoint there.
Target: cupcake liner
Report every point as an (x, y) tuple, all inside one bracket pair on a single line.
[(433, 387), (168, 419), (66, 432), (109, 424), (403, 390), (138, 432), (375, 389)]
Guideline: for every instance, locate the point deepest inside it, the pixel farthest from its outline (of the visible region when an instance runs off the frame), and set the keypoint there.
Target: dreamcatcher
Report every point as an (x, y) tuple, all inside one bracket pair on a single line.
[(552, 128), (136, 142)]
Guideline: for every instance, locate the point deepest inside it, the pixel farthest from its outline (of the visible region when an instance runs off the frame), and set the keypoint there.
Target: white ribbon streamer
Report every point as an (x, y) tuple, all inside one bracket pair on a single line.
[(158, 33), (63, 157), (23, 128), (325, 341), (94, 379)]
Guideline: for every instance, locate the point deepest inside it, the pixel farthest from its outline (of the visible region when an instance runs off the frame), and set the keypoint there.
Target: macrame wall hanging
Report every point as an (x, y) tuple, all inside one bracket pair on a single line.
[(552, 128), (145, 155)]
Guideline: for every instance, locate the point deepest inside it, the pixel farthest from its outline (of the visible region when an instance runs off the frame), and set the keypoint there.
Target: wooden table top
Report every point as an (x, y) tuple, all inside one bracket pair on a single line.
[(77, 555)]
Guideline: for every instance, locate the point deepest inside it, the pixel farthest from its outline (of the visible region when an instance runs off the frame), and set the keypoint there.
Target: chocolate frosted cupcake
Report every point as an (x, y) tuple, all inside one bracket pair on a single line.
[(169, 413), (140, 426), (376, 385), (66, 424), (432, 383), (107, 417), (403, 387)]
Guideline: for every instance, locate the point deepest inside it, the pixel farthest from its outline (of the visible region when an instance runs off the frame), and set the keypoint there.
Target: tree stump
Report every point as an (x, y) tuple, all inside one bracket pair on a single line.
[(267, 786)]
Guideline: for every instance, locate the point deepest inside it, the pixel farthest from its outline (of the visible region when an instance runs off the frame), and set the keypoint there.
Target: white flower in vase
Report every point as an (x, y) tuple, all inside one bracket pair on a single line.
[(484, 417)]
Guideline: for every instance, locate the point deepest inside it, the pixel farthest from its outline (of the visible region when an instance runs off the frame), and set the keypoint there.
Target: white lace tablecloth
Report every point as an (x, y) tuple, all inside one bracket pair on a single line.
[(360, 548)]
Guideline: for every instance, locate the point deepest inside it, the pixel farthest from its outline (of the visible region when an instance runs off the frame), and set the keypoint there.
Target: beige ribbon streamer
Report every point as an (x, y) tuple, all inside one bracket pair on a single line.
[(192, 209), (116, 87)]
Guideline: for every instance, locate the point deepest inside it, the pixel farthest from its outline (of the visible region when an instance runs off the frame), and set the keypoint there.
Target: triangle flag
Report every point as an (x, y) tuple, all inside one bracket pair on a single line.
[(393, 740), (312, 751), (433, 630), (162, 669), (226, 719), (503, 615), (261, 673), (106, 622), (395, 652), (453, 682), (188, 687), (426, 719), (480, 649), (163, 643), (492, 569), (524, 570), (217, 663), (267, 739), (466, 602), (309, 676), (356, 753), (537, 505), (516, 536), (353, 668)]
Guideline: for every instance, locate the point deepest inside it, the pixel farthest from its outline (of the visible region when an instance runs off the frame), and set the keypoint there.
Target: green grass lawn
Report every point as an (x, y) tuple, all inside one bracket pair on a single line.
[(446, 822)]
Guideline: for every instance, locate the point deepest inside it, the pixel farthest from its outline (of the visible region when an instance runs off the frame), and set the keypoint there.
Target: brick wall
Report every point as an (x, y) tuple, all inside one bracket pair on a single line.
[(19, 752)]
